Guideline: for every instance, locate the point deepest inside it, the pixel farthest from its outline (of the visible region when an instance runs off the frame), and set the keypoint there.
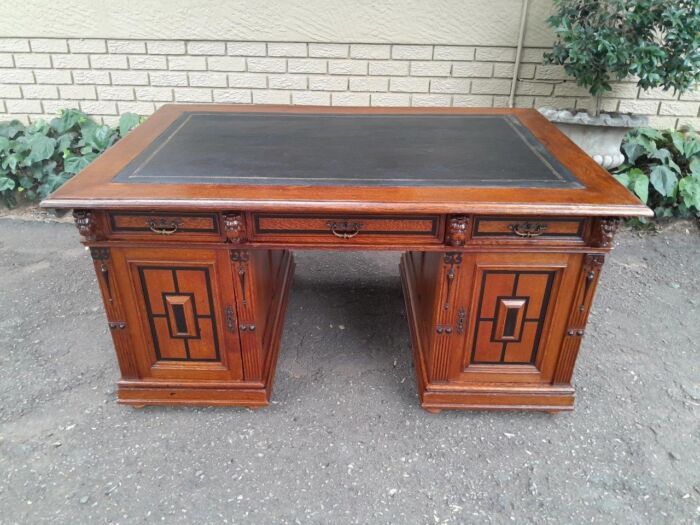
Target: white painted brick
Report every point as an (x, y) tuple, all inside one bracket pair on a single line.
[(140, 108), (588, 104), (504, 70), (247, 80), (251, 49), (490, 86), (284, 49), (472, 101), (311, 98), (520, 102), (233, 96), (208, 79), (187, 63), (534, 55), (307, 65), (154, 94), (551, 72), (99, 107), (390, 99), (329, 50), (32, 60), (148, 62), (206, 48), (109, 120), (388, 68), (570, 89), (23, 106), (370, 51), (663, 122), (453, 53), (412, 52), (48, 45), (472, 69), (54, 107), (686, 109), (641, 107), (328, 83), (78, 92), (6, 60), (193, 95), (271, 97), (369, 84), (134, 47), (226, 63), (658, 94), (2, 106), (129, 78), (431, 100), (267, 65), (350, 99), (70, 61), (688, 122), (286, 82), (109, 62), (39, 91), (347, 67), (693, 95), (87, 45), (431, 69), (115, 93), (409, 85), (165, 47), (17, 76), (10, 45), (495, 54), (622, 90), (555, 102), (168, 78), (24, 119), (449, 85), (10, 91), (534, 88), (51, 76)]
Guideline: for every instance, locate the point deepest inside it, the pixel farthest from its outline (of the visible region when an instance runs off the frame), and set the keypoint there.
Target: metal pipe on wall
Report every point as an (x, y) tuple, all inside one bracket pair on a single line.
[(519, 52)]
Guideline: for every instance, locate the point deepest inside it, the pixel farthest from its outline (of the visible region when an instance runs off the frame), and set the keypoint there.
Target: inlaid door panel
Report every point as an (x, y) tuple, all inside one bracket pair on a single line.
[(514, 330), (187, 327)]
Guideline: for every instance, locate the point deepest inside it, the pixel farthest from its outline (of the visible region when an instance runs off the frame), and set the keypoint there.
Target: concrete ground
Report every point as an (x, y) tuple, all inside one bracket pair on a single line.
[(345, 440)]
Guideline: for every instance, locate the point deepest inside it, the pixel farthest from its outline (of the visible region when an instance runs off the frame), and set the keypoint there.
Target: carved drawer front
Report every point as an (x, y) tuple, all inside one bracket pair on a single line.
[(165, 226), (524, 229), (347, 229)]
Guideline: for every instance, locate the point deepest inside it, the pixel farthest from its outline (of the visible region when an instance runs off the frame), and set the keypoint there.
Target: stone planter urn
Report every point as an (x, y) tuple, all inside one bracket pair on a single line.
[(601, 136)]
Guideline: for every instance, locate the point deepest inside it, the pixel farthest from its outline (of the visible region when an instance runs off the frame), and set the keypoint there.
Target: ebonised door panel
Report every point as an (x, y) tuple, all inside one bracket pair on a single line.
[(517, 314), (181, 312)]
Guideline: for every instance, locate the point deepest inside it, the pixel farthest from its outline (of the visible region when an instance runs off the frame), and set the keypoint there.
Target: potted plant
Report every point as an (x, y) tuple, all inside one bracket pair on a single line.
[(657, 42)]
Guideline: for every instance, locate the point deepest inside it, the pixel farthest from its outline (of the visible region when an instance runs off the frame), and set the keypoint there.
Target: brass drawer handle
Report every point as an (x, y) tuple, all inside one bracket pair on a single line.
[(345, 230), (162, 226), (528, 229)]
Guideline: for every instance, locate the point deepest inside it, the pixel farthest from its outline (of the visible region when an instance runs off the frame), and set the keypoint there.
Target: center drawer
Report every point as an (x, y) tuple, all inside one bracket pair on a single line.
[(347, 229)]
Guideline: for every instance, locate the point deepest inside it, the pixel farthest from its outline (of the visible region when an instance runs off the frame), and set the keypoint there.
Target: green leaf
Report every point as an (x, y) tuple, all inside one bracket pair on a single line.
[(76, 164), (664, 180), (11, 129), (689, 190), (6, 183), (623, 178), (127, 122), (41, 148)]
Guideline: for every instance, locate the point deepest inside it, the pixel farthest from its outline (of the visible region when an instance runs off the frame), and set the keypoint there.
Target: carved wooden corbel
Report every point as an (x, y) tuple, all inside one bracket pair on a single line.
[(457, 230)]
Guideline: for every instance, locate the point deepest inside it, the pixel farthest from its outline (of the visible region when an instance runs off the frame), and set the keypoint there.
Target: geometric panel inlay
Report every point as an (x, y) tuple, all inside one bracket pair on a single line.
[(511, 314), (180, 310)]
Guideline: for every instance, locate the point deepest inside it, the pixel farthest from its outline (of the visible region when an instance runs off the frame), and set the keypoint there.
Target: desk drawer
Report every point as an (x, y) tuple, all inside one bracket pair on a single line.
[(347, 229), (533, 229), (152, 225)]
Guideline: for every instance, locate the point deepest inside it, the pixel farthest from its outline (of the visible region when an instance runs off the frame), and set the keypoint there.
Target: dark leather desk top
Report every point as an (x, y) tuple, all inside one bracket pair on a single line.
[(347, 150)]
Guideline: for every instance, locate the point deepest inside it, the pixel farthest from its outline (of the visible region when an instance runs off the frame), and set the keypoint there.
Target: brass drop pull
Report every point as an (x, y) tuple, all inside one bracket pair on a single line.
[(345, 230), (230, 319), (162, 226), (528, 229)]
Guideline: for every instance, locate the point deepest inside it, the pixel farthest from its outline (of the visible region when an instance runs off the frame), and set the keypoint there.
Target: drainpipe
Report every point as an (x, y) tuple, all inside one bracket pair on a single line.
[(518, 53)]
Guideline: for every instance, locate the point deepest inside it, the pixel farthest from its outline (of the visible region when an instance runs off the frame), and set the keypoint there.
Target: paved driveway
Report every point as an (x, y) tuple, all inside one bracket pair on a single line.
[(344, 440)]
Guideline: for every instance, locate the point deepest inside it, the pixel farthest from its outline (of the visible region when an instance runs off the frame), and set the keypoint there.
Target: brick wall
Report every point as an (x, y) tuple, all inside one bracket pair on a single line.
[(104, 78)]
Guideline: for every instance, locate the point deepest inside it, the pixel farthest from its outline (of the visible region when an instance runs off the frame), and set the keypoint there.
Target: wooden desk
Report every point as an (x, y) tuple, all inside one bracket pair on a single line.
[(504, 222)]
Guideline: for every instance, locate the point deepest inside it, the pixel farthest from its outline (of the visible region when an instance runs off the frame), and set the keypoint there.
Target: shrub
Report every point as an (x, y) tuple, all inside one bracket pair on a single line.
[(657, 41), (663, 169), (35, 160)]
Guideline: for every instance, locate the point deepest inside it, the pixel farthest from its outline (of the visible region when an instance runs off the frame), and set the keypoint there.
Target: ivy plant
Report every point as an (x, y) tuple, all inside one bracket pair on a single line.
[(663, 169), (656, 41), (35, 160)]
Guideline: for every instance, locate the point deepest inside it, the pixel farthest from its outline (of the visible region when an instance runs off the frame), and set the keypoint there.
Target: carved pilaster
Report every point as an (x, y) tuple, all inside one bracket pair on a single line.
[(234, 226), (85, 222), (606, 229), (457, 230)]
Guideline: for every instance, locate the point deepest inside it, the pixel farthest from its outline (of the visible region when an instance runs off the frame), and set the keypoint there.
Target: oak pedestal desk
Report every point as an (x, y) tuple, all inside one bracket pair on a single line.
[(191, 219)]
